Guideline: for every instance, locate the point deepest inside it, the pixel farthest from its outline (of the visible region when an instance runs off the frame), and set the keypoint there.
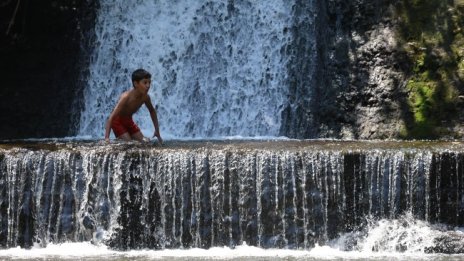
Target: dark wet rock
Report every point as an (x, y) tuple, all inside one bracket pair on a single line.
[(41, 61), (357, 90), (448, 243), (88, 222)]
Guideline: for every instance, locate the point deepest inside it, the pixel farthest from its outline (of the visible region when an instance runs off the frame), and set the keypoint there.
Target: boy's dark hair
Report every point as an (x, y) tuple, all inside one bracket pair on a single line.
[(140, 74)]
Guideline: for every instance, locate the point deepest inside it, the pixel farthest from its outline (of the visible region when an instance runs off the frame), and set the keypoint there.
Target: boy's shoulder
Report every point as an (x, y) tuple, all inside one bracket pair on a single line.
[(125, 94)]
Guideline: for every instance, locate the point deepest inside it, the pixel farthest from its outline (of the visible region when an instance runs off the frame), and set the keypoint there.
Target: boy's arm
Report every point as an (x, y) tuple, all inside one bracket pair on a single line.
[(115, 112), (154, 119), (108, 127)]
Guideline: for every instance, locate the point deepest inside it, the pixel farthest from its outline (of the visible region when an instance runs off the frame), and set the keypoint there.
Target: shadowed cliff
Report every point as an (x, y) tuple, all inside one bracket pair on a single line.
[(43, 50)]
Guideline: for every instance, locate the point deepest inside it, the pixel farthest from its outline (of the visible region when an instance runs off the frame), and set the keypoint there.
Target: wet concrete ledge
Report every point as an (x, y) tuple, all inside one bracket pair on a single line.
[(272, 145)]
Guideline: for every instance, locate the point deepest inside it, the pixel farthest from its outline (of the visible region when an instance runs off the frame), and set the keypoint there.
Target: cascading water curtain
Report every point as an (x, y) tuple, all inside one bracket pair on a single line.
[(219, 67), (174, 198)]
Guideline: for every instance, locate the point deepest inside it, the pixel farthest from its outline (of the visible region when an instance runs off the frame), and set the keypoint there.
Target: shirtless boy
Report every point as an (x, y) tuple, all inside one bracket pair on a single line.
[(120, 119)]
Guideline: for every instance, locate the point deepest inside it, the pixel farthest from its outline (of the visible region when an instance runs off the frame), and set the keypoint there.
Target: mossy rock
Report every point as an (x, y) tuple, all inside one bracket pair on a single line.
[(433, 31)]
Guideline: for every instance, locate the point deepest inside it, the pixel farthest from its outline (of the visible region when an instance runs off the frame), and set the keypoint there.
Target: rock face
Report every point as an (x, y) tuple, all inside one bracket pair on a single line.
[(358, 88), (41, 60)]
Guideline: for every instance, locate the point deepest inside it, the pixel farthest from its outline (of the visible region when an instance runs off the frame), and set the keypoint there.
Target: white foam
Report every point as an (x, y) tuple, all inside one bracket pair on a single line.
[(65, 250), (88, 250)]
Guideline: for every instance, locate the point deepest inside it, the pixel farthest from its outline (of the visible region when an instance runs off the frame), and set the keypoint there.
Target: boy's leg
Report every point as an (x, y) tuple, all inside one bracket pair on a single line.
[(125, 136), (137, 136)]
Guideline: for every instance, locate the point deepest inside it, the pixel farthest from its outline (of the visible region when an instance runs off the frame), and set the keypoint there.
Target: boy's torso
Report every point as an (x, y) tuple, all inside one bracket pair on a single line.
[(133, 103)]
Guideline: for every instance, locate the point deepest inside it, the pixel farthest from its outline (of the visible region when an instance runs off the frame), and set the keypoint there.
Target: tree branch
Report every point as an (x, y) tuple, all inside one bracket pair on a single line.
[(13, 18)]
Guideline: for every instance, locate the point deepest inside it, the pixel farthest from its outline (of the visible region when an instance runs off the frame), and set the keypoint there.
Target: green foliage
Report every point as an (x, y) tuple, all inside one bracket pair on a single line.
[(430, 103), (432, 33)]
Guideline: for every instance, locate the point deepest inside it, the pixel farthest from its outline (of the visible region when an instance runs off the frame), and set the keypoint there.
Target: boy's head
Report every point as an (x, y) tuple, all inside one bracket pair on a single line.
[(139, 75)]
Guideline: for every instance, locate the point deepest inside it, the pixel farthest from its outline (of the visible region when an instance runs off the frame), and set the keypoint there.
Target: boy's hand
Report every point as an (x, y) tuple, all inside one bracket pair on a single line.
[(158, 136)]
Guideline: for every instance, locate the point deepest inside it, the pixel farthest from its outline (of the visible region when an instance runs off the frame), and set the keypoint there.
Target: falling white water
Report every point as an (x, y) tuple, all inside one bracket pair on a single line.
[(219, 67), (171, 197), (399, 235)]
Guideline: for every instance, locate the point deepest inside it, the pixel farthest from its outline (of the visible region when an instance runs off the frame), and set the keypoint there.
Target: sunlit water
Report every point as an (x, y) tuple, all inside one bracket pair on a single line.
[(219, 67)]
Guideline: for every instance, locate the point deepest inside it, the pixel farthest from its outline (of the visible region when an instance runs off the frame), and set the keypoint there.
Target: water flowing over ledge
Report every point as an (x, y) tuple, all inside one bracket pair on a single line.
[(271, 194)]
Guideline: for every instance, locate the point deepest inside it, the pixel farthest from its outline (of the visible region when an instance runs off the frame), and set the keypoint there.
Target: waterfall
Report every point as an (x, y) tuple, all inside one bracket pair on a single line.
[(272, 195), (219, 67)]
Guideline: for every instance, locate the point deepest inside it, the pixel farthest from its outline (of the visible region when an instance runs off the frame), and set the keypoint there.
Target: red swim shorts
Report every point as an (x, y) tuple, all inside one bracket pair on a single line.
[(121, 125)]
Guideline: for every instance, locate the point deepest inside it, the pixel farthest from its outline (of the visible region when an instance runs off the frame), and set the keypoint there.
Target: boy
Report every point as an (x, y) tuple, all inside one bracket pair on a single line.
[(120, 119)]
